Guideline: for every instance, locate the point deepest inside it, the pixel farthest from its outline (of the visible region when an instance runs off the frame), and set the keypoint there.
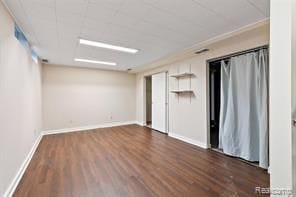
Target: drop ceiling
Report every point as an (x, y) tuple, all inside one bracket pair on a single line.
[(156, 27)]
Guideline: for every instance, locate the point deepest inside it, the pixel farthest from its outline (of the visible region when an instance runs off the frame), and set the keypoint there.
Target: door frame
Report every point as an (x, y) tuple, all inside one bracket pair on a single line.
[(167, 100)]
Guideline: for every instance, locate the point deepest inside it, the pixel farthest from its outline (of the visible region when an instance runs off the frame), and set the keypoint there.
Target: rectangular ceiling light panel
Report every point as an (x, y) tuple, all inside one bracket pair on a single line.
[(95, 62), (107, 46)]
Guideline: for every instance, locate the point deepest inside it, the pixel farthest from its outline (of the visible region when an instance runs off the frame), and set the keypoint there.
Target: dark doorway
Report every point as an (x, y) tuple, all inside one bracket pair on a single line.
[(148, 101), (215, 83)]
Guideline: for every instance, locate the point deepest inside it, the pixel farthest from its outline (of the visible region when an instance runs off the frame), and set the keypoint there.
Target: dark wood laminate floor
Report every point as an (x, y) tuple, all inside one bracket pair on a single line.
[(133, 161)]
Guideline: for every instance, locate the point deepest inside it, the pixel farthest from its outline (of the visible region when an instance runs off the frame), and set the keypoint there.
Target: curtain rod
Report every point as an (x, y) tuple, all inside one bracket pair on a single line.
[(237, 54)]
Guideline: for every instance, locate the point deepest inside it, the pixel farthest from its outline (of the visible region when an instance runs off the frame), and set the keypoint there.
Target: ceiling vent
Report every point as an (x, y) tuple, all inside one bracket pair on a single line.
[(201, 51), (45, 61)]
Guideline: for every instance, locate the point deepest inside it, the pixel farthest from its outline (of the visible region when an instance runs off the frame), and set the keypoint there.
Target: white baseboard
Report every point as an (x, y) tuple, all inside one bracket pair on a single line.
[(89, 127), (188, 140), (140, 123), (10, 190)]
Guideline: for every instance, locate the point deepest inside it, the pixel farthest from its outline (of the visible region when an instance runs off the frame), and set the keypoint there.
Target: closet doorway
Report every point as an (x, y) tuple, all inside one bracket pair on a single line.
[(156, 102), (238, 105), (215, 86)]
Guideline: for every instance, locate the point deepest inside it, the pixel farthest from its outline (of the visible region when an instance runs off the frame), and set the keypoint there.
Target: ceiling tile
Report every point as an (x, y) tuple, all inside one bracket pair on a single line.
[(135, 8), (121, 19), (92, 34), (71, 6), (111, 4), (239, 11), (69, 18), (100, 13), (47, 3), (95, 25), (39, 11), (262, 5), (68, 30)]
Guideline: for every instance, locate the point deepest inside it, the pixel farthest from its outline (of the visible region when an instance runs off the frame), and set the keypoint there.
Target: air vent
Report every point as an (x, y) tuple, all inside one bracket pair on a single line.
[(129, 69), (45, 60), (201, 51)]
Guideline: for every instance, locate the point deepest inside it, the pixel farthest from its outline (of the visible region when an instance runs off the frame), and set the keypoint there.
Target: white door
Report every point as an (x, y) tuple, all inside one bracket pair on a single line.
[(159, 102), (293, 110), (294, 124)]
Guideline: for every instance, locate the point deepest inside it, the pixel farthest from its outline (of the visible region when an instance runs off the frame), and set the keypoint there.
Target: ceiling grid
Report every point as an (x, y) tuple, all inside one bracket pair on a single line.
[(156, 27)]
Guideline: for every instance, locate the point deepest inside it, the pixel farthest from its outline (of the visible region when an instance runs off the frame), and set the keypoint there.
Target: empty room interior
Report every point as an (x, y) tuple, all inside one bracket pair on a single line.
[(147, 98)]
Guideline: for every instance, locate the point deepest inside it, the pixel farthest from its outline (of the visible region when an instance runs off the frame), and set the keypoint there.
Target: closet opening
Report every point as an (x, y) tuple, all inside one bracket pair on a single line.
[(238, 105), (215, 83)]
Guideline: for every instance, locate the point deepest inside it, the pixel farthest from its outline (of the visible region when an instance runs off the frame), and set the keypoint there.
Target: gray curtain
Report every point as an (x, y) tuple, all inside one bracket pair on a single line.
[(244, 107)]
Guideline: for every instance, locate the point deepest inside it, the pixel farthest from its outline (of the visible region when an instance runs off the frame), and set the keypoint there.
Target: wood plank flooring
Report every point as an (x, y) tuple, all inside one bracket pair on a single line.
[(133, 161)]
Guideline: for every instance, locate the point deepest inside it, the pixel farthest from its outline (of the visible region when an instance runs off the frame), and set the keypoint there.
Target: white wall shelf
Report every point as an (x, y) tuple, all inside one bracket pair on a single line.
[(181, 91), (185, 74), (183, 81)]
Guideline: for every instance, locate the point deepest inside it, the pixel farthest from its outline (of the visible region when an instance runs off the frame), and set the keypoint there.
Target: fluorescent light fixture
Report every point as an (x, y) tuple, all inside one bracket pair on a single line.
[(107, 46), (95, 62)]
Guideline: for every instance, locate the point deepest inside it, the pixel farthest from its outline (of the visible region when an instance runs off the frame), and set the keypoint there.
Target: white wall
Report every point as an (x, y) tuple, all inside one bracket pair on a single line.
[(79, 97), (281, 101), (294, 92), (188, 116), (20, 101)]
